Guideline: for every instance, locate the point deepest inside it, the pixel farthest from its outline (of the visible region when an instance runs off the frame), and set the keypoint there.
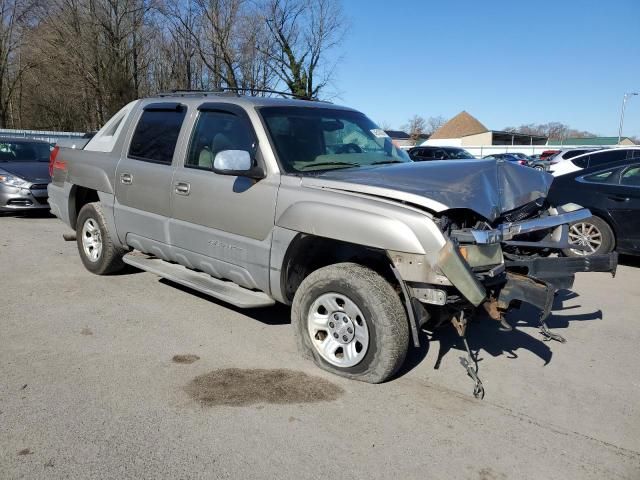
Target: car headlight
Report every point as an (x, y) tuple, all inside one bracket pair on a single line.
[(12, 180)]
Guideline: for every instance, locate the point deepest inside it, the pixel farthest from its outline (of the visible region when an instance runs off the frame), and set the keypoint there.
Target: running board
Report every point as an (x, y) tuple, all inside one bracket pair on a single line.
[(226, 291)]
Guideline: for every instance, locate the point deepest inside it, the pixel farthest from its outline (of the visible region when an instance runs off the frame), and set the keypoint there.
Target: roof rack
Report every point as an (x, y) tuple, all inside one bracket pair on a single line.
[(187, 93), (227, 91)]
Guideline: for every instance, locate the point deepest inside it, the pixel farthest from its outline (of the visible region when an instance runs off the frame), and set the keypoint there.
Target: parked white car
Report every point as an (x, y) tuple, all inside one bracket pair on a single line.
[(593, 159)]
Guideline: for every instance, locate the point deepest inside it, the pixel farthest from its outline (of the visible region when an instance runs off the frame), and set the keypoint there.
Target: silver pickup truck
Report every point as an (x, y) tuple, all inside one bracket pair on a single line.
[(262, 200)]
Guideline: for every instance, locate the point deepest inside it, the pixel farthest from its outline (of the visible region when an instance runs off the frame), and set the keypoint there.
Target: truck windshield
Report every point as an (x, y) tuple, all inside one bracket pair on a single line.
[(318, 139), (23, 151)]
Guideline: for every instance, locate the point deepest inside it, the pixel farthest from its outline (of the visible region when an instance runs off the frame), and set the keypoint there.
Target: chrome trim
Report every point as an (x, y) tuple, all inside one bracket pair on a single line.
[(509, 230)]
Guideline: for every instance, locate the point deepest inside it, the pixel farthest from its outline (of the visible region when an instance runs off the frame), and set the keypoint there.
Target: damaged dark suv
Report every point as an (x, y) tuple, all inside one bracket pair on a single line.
[(262, 200)]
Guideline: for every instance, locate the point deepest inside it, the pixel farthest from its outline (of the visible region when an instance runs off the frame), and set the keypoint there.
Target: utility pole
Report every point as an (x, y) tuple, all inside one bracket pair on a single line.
[(624, 104)]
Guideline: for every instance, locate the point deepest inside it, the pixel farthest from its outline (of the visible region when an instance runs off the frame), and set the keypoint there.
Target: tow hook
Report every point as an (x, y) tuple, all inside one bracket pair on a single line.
[(470, 363)]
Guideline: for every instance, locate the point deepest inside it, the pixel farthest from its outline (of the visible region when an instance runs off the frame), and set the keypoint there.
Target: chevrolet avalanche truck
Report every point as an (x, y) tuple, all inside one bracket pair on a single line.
[(256, 200)]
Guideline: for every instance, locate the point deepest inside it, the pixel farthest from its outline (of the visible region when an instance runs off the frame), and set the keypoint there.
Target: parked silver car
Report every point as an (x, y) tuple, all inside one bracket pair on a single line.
[(262, 200), (24, 174)]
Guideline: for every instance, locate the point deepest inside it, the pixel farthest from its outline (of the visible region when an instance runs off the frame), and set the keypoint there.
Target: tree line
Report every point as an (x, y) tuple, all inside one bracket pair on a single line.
[(71, 64), (419, 127)]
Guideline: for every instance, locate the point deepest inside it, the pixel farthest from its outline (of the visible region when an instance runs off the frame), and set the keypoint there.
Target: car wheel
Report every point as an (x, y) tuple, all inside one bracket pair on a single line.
[(97, 251), (539, 167), (351, 322), (594, 234)]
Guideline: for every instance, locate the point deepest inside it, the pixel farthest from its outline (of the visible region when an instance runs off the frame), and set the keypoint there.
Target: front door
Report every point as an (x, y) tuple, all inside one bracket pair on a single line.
[(222, 224), (143, 179)]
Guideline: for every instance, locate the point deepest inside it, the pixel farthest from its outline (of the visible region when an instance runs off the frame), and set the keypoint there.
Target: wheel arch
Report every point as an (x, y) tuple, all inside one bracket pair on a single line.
[(608, 219), (307, 253)]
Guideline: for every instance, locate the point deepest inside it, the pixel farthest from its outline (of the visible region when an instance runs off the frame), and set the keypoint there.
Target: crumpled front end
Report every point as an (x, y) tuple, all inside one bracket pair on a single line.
[(496, 267)]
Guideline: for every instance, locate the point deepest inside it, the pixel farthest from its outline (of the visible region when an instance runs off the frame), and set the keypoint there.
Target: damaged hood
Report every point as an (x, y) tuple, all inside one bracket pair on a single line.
[(488, 187)]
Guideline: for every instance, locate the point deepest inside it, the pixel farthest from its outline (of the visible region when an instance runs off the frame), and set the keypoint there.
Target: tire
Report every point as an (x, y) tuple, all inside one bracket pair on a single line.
[(597, 235), (380, 322), (104, 258)]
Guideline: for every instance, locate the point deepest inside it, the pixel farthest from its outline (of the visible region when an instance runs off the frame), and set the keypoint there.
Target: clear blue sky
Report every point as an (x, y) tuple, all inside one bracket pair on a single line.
[(505, 62)]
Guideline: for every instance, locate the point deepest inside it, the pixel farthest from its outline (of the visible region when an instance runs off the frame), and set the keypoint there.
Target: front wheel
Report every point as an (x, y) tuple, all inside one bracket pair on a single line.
[(351, 322), (97, 251), (594, 235)]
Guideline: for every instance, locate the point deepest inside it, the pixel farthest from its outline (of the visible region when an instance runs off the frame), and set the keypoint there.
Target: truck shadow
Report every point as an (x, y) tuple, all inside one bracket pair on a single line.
[(485, 338), (482, 332), (629, 260), (279, 314)]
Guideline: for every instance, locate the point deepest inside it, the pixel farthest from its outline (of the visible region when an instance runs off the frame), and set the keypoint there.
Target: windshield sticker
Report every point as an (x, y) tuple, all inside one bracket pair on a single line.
[(378, 132)]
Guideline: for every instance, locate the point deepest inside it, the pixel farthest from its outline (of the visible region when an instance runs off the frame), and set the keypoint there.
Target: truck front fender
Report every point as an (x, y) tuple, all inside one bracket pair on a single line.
[(351, 225)]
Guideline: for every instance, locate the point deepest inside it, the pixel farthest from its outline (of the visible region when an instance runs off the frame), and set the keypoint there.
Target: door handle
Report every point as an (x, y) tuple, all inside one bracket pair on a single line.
[(618, 198), (182, 188), (126, 178)]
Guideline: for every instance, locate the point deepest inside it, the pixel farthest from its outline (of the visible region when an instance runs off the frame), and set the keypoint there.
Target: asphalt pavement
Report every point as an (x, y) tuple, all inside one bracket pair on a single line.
[(130, 376)]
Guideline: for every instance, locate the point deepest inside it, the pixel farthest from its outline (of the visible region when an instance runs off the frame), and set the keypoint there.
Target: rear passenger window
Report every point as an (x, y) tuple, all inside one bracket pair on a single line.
[(574, 153), (156, 135), (581, 162), (600, 177), (602, 158), (631, 177)]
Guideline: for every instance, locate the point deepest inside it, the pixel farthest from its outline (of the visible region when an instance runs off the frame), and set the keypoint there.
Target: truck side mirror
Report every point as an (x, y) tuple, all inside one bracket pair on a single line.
[(237, 163)]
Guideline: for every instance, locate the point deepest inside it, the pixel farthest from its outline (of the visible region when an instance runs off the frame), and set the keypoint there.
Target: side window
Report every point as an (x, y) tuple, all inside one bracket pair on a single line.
[(631, 177), (608, 156), (427, 154), (216, 131), (574, 153), (600, 177), (581, 162), (156, 135), (634, 153)]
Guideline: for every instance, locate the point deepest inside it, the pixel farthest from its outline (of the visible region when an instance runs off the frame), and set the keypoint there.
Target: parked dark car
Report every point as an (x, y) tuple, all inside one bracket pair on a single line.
[(421, 154), (24, 174), (612, 193), (509, 157)]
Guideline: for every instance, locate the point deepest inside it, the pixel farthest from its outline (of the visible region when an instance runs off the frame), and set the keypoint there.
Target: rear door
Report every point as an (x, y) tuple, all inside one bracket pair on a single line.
[(144, 175), (624, 207)]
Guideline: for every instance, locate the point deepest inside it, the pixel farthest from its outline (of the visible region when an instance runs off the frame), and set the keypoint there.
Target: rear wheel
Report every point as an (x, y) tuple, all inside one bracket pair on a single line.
[(594, 235), (351, 322), (97, 250)]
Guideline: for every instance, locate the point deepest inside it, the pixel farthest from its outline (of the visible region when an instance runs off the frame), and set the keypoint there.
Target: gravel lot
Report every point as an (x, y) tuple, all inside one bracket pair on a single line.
[(90, 388)]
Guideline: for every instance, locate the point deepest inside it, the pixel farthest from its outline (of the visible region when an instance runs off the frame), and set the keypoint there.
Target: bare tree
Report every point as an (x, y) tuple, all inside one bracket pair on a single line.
[(303, 33), (434, 123), (415, 127), (70, 64), (552, 130), (15, 20)]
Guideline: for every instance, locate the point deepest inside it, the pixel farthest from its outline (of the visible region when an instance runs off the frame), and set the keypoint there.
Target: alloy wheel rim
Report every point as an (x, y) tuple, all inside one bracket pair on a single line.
[(585, 235), (338, 330), (91, 240)]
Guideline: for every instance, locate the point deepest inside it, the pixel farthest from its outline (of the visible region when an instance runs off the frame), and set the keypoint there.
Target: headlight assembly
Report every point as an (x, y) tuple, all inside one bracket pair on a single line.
[(12, 180)]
